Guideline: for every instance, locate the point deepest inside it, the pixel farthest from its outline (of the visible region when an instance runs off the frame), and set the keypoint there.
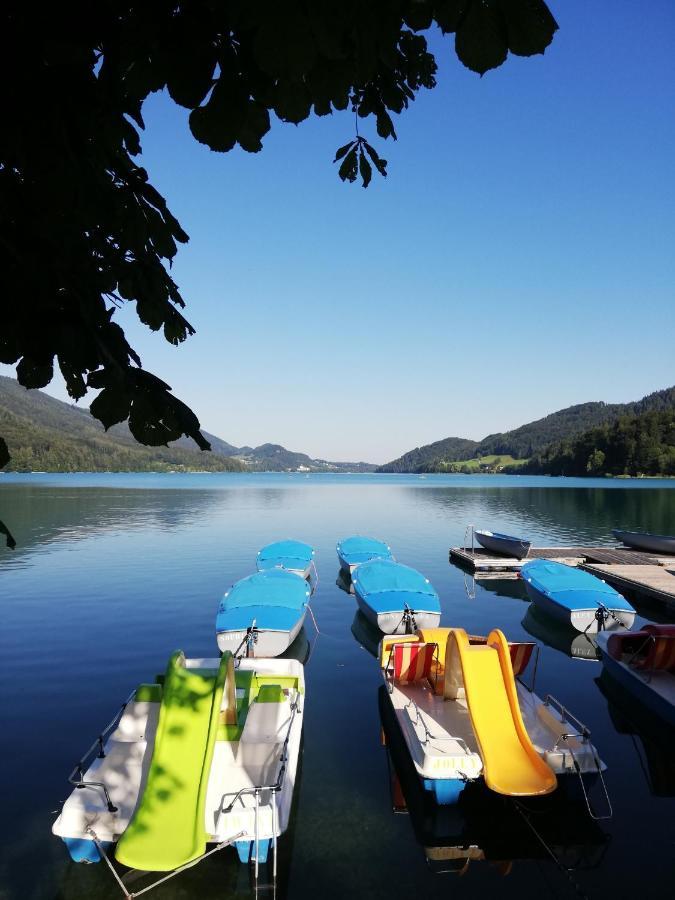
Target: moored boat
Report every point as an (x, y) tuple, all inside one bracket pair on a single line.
[(395, 598), (261, 615), (503, 544), (642, 540), (353, 551), (643, 662), (465, 716), (294, 556), (206, 757), (575, 597)]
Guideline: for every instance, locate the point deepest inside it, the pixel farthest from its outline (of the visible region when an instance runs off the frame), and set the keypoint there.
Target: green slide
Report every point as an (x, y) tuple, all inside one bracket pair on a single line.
[(167, 828)]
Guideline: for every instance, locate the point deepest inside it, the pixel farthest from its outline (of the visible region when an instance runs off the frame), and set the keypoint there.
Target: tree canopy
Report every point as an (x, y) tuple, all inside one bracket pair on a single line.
[(84, 231)]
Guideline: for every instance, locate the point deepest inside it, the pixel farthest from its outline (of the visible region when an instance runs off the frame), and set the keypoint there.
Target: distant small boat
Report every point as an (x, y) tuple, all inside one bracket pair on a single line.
[(396, 598), (504, 544), (294, 556), (643, 662), (642, 540), (353, 551), (260, 616), (576, 597)]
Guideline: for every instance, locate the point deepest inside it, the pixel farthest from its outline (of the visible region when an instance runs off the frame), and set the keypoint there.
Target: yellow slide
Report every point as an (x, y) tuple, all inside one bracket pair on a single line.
[(484, 675)]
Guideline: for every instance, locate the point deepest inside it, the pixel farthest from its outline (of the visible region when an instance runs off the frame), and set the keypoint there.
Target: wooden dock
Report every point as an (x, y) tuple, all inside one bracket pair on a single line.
[(627, 570), (652, 581)]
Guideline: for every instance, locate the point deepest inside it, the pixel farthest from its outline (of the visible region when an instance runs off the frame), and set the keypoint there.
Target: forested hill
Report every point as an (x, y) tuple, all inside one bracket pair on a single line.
[(46, 435), (531, 439), (633, 445)]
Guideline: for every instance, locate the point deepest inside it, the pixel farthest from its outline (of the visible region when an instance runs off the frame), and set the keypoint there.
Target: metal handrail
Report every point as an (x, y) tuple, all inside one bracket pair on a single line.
[(584, 733), (437, 737), (76, 777), (650, 638), (466, 543)]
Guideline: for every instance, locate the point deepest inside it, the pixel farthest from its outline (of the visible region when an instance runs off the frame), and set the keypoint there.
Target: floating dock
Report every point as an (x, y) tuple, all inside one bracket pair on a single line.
[(653, 581), (627, 570)]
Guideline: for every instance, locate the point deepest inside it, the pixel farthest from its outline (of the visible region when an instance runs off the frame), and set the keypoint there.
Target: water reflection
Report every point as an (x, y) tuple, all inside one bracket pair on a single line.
[(366, 634), (486, 827), (549, 515), (560, 636), (652, 739), (344, 582)]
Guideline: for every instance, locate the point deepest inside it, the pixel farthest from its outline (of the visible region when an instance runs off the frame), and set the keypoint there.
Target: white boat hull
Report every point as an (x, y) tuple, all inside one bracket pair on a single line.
[(269, 643), (394, 622), (585, 620)]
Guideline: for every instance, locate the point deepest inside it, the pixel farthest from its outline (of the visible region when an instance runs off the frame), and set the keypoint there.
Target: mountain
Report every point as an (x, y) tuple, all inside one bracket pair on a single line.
[(47, 435), (531, 439)]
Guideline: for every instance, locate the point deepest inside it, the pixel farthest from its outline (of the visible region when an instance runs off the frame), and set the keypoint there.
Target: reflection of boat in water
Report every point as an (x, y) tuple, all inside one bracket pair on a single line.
[(503, 587), (559, 636), (299, 649), (484, 826), (653, 741), (344, 582), (366, 633)]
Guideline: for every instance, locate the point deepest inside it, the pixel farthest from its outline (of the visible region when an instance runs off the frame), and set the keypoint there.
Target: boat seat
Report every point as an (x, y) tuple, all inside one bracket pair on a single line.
[(660, 655), (520, 656), (413, 661), (268, 716)]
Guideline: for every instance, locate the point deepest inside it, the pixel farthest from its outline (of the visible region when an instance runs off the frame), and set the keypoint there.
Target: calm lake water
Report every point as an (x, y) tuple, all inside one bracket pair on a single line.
[(114, 572)]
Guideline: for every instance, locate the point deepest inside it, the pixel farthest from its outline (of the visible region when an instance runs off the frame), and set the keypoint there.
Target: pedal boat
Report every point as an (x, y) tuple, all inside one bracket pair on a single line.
[(576, 597), (353, 551), (262, 615), (293, 556), (207, 755), (395, 598), (465, 715), (643, 663)]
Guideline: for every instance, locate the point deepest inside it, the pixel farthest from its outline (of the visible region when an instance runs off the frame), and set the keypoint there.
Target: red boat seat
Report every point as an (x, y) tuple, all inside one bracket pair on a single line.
[(520, 656), (650, 649), (413, 662)]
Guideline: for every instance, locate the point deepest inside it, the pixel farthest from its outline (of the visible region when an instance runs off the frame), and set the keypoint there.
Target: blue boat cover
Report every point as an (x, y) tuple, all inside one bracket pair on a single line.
[(276, 588), (285, 555), (356, 550), (570, 587), (387, 586)]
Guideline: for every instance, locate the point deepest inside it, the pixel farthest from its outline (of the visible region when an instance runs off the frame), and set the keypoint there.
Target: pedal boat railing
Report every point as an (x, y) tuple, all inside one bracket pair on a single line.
[(583, 734), (76, 777), (273, 789)]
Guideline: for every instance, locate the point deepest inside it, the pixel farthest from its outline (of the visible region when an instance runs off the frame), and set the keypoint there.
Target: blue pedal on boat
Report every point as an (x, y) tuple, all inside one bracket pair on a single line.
[(353, 551), (294, 556), (262, 615), (576, 597), (396, 598)]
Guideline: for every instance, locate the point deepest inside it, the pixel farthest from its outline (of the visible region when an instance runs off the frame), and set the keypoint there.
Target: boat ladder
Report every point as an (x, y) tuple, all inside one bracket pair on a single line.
[(583, 734), (469, 530)]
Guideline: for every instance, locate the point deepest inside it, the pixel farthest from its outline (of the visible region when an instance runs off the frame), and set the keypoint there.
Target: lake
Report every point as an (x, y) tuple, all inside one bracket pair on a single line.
[(114, 572)]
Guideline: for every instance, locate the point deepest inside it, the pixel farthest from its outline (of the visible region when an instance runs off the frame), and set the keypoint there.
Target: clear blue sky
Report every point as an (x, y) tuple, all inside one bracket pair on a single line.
[(519, 258)]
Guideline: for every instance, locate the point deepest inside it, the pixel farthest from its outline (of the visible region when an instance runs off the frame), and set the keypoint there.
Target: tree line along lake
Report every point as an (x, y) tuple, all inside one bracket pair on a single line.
[(114, 572)]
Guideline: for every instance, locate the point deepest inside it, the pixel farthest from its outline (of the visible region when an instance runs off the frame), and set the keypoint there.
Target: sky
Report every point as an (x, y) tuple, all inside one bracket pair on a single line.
[(518, 258)]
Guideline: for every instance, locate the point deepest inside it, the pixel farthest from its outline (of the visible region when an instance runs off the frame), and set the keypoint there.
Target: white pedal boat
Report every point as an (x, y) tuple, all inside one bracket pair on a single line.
[(140, 800), (464, 716)]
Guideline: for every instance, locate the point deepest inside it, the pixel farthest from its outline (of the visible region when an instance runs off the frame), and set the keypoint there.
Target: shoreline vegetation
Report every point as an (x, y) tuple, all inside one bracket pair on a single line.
[(632, 440)]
